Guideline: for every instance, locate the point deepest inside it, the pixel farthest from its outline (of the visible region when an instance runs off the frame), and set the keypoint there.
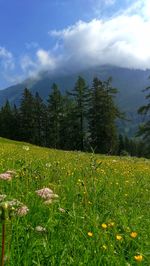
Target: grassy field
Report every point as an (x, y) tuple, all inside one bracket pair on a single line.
[(101, 216)]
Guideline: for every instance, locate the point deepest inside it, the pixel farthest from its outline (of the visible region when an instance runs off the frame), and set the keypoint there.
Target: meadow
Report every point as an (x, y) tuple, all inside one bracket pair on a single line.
[(96, 211)]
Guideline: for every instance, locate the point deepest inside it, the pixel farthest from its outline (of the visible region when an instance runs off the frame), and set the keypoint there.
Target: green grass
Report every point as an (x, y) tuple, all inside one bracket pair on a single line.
[(92, 190)]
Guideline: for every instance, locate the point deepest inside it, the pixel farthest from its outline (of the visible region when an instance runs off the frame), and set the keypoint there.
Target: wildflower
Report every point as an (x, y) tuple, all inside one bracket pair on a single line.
[(11, 172), (104, 226), (138, 258), (26, 148), (133, 234), (111, 224), (40, 229), (48, 165), (104, 247), (22, 211), (119, 237), (90, 234), (47, 202), (2, 197), (62, 210), (45, 193), (5, 176)]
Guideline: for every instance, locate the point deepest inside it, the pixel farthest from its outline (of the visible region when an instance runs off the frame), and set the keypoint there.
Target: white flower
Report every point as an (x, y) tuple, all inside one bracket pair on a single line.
[(40, 229), (2, 197), (26, 148)]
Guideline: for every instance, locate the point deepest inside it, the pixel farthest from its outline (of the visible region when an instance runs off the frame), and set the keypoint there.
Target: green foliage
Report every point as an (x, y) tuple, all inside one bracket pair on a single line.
[(144, 129), (102, 117), (100, 218), (83, 119)]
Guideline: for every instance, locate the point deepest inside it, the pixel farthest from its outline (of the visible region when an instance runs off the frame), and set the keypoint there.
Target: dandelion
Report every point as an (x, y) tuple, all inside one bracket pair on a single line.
[(104, 226), (138, 258), (119, 237), (133, 234), (90, 234)]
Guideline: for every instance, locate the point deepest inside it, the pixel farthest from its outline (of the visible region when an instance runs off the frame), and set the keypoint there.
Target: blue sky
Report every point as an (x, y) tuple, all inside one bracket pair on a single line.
[(37, 35)]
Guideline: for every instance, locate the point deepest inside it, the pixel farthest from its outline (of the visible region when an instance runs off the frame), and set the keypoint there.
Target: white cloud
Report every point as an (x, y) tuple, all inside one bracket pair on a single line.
[(109, 2), (6, 59), (45, 59), (31, 45), (122, 41)]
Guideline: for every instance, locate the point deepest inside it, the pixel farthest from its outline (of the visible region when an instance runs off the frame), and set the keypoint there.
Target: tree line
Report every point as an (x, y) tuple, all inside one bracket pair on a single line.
[(82, 119)]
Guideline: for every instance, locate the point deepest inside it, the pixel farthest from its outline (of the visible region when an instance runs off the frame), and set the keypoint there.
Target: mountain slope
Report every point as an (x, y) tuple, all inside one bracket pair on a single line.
[(130, 84)]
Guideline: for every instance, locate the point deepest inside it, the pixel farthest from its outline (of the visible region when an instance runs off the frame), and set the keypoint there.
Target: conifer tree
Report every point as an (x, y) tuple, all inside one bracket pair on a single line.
[(80, 96), (27, 117), (16, 134), (54, 117), (144, 129), (102, 116), (39, 137), (6, 126)]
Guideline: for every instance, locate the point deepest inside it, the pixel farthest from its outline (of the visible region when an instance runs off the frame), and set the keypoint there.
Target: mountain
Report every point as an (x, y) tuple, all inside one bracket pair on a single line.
[(129, 83)]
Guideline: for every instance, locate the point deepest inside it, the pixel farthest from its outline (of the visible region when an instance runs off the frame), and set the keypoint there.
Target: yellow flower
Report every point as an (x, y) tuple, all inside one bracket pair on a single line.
[(111, 224), (104, 226), (90, 234), (118, 237), (133, 234), (138, 258), (104, 247)]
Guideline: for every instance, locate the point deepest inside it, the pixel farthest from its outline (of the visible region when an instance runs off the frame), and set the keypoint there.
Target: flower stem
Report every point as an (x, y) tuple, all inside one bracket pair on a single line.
[(3, 243)]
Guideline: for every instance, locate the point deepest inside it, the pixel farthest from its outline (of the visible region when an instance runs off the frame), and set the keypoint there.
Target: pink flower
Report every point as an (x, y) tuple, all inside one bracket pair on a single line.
[(7, 175), (45, 193), (22, 211)]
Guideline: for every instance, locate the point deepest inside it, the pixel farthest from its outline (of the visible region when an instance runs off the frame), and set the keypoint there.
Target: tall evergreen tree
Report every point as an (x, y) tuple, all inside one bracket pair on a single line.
[(39, 137), (16, 134), (27, 117), (54, 116), (80, 95), (144, 129), (102, 116), (6, 120)]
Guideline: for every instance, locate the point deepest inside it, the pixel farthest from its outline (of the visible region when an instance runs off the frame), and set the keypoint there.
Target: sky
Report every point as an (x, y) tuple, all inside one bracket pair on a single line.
[(63, 36)]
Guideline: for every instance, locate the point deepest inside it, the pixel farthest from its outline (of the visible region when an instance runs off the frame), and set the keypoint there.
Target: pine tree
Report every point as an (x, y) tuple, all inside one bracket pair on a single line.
[(16, 134), (102, 116), (68, 125), (27, 117), (144, 129), (54, 117), (80, 95), (39, 137), (6, 120)]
